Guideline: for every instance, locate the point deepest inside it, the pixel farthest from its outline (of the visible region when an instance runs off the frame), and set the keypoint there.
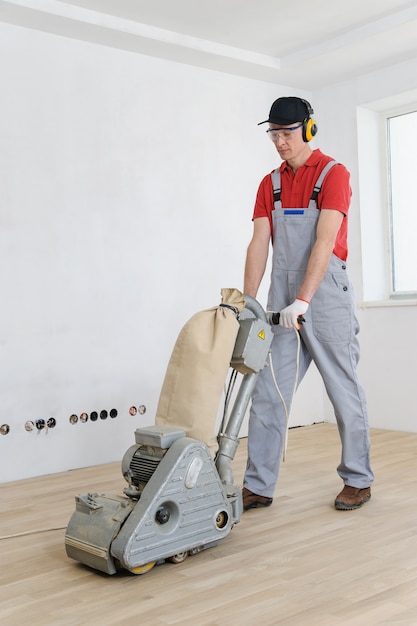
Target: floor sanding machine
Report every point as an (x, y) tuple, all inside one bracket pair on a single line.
[(180, 498)]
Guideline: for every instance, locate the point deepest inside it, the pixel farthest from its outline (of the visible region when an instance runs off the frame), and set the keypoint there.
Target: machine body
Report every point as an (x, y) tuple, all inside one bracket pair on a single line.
[(179, 500)]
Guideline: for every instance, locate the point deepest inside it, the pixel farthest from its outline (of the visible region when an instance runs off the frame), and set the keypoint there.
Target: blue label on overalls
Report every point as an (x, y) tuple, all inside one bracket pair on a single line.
[(293, 211)]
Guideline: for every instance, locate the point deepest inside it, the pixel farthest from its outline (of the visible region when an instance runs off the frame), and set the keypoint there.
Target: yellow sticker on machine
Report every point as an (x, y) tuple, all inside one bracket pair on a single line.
[(261, 334)]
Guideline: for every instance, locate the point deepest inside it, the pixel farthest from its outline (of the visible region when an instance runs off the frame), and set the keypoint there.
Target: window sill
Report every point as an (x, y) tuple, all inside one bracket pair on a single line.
[(387, 303)]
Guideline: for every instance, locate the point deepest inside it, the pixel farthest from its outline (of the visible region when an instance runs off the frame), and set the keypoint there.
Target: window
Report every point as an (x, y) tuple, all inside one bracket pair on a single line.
[(402, 201)]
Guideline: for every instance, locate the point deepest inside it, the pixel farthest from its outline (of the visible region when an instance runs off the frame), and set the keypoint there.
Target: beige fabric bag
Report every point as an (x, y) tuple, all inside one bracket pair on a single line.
[(197, 370)]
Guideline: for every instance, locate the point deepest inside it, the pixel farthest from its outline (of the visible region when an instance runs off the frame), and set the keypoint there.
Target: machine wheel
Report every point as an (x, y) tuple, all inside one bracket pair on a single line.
[(142, 569), (178, 558), (221, 519)]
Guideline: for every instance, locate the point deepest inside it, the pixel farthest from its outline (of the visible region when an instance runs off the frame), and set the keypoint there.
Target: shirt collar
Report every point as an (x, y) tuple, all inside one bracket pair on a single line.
[(312, 160)]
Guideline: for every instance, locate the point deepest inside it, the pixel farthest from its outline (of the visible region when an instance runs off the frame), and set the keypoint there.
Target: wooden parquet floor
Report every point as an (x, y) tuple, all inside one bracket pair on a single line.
[(298, 563)]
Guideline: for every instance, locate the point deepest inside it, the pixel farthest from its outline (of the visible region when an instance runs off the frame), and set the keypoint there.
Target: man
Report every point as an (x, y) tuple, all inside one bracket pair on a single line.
[(303, 208)]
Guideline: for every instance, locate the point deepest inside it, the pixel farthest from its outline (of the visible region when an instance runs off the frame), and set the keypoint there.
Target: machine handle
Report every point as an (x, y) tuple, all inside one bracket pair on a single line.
[(274, 318)]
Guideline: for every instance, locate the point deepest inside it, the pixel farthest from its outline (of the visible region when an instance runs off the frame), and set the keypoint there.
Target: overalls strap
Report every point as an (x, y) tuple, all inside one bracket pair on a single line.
[(276, 183)]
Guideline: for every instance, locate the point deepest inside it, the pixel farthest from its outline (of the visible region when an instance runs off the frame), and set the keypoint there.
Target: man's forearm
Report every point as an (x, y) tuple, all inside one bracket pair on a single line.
[(316, 269), (254, 269)]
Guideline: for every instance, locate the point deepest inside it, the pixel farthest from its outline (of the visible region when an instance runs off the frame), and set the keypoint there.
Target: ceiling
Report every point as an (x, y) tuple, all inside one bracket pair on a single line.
[(305, 45)]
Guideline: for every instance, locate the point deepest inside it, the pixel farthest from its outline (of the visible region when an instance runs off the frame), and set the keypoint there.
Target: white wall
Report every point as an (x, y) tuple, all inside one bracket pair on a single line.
[(128, 186)]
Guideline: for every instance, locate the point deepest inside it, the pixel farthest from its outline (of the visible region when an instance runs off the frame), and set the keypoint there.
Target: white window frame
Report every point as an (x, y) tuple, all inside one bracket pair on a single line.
[(395, 293), (374, 195)]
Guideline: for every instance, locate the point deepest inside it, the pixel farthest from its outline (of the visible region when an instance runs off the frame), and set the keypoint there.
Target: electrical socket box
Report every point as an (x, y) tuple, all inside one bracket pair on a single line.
[(159, 436)]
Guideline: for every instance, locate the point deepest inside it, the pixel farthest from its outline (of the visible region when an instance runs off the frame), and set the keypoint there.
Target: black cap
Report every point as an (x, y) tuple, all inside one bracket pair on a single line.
[(285, 111)]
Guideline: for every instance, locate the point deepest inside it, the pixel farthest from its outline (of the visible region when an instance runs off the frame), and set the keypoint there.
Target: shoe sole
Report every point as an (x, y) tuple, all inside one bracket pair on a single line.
[(257, 505), (342, 506)]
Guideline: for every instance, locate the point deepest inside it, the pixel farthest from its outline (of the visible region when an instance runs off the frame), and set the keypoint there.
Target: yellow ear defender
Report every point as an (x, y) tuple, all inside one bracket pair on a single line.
[(309, 125)]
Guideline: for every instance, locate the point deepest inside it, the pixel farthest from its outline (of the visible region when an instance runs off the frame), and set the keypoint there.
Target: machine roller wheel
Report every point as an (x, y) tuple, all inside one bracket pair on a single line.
[(142, 569), (178, 558), (221, 519)]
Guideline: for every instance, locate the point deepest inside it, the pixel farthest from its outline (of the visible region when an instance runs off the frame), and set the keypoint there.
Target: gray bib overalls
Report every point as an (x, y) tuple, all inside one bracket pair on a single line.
[(328, 337)]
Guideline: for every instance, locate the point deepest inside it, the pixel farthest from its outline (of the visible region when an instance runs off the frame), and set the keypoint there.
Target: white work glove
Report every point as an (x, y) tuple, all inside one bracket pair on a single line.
[(288, 317)]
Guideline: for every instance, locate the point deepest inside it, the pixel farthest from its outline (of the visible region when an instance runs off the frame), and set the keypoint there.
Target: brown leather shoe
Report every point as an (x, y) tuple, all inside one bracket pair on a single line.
[(352, 498), (253, 501)]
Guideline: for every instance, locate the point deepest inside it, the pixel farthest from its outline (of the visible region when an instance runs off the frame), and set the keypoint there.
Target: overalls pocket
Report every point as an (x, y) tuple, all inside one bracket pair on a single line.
[(331, 309)]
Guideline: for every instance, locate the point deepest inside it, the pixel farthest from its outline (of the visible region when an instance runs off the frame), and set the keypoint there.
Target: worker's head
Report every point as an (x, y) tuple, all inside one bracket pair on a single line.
[(290, 112)]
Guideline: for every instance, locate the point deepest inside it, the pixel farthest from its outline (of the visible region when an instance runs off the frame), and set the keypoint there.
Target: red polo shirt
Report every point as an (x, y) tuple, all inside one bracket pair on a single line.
[(297, 189)]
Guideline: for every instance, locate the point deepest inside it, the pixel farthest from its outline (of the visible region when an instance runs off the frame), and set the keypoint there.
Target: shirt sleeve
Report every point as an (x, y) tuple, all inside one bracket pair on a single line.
[(264, 203)]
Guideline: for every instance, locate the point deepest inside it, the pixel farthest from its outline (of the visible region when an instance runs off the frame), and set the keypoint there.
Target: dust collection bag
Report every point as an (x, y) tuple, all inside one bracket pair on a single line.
[(197, 370)]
